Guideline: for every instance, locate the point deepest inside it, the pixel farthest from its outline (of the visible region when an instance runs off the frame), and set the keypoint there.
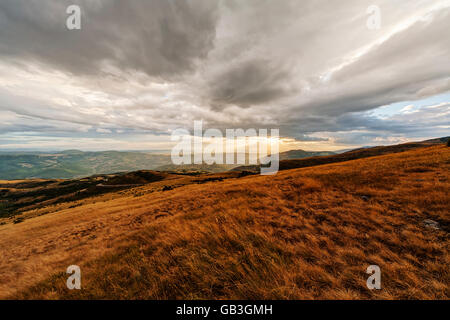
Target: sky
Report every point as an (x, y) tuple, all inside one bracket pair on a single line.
[(137, 70)]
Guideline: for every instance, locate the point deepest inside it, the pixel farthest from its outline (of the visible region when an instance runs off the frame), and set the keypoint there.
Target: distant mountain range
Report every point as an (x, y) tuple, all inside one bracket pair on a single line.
[(72, 164), (300, 154), (215, 168)]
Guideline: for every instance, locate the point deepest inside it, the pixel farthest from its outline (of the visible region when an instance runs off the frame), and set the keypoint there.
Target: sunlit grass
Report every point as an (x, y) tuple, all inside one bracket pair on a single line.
[(303, 234)]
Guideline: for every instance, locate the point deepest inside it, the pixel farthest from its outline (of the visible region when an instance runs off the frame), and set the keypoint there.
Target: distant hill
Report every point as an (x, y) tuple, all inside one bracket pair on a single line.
[(360, 153), (74, 163), (214, 168), (196, 168), (437, 140), (300, 154), (71, 164)]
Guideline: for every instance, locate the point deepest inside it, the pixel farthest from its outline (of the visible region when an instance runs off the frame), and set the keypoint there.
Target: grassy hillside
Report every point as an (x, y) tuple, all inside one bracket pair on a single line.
[(287, 163), (307, 233), (20, 197)]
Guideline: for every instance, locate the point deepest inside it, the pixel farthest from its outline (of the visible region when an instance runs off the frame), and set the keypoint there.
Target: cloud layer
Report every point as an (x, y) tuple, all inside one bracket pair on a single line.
[(311, 68)]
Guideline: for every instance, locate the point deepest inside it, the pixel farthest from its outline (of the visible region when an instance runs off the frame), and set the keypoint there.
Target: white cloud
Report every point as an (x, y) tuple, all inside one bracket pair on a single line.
[(408, 109)]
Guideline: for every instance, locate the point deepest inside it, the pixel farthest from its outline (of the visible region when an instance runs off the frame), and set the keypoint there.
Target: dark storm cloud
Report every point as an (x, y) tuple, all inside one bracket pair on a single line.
[(249, 83), (160, 38)]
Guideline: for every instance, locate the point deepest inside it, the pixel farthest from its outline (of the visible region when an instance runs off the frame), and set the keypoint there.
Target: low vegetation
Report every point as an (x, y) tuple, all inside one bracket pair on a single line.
[(306, 233)]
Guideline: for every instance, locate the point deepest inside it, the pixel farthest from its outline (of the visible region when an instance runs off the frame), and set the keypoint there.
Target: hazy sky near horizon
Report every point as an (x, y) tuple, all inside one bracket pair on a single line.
[(139, 69)]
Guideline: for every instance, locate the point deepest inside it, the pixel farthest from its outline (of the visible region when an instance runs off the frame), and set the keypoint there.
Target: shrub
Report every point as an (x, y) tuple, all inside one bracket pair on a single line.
[(18, 220)]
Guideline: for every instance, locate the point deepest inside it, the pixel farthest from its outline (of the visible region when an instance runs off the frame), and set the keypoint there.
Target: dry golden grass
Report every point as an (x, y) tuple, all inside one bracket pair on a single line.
[(303, 234)]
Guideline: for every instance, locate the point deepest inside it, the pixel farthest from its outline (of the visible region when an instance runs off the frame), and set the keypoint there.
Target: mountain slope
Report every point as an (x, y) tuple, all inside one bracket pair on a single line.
[(286, 164), (306, 233), (23, 196)]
